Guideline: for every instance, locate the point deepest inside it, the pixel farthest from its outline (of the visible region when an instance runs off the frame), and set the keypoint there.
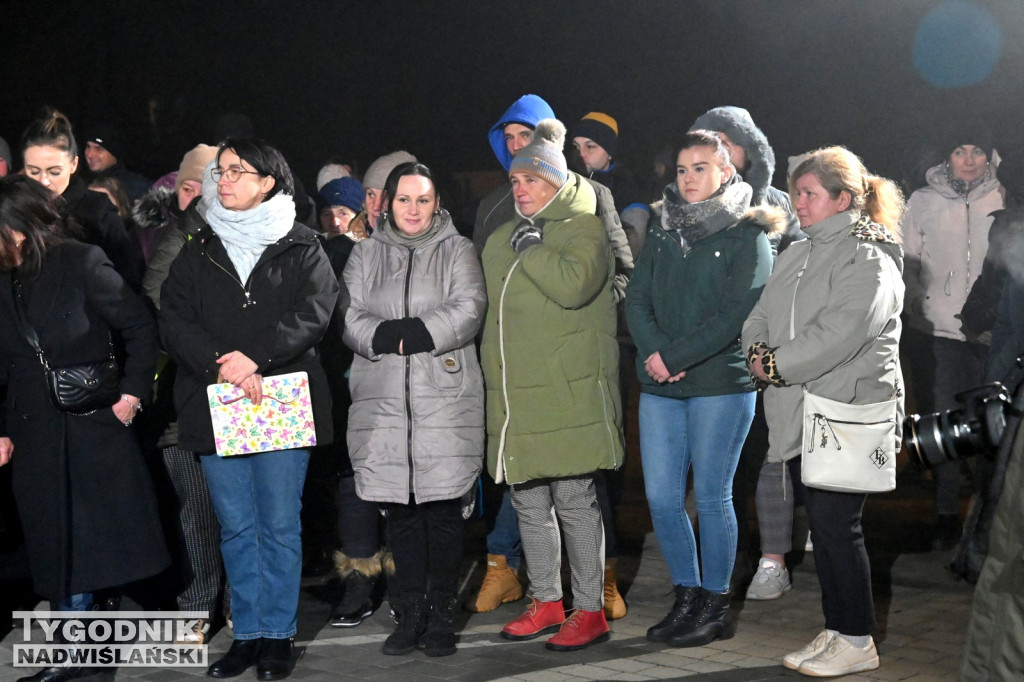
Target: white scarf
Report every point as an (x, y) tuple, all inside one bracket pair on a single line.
[(246, 234)]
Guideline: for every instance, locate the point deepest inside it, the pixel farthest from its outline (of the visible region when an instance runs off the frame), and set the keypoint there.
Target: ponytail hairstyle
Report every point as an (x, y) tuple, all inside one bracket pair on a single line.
[(705, 138), (31, 209), (840, 170), (50, 129)]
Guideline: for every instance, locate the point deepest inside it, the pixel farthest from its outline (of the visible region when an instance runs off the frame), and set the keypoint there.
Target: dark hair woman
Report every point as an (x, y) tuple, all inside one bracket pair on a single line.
[(251, 295), (696, 401), (82, 489), (50, 155), (416, 428), (828, 324)]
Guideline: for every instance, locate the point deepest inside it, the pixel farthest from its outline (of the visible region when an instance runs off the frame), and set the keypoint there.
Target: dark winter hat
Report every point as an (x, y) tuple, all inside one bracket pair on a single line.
[(5, 154), (1010, 172), (108, 137), (341, 192), (543, 157), (601, 128), (737, 123), (973, 133)]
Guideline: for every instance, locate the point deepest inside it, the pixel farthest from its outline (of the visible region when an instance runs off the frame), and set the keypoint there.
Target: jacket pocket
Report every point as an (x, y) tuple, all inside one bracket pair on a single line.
[(448, 371)]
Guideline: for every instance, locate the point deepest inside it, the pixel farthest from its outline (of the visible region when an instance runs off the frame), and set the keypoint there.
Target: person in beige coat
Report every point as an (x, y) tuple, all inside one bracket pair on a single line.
[(828, 321)]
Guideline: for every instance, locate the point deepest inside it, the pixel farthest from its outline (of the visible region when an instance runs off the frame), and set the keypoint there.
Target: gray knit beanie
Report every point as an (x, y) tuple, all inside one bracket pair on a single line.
[(378, 172), (543, 157)]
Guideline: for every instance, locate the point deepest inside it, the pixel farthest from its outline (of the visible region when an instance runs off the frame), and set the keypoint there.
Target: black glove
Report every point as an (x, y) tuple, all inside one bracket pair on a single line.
[(387, 336), (415, 337), (524, 236)]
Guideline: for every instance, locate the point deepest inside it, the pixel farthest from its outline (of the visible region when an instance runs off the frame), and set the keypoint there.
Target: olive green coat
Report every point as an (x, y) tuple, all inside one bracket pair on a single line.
[(549, 352)]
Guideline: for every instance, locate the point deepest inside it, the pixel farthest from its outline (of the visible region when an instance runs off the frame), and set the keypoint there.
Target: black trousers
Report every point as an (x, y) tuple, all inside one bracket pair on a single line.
[(841, 560), (426, 542), (358, 522)]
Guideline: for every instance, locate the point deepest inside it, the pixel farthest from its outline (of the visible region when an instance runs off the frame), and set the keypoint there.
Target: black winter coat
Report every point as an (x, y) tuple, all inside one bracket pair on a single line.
[(276, 319), (83, 492), (97, 223)]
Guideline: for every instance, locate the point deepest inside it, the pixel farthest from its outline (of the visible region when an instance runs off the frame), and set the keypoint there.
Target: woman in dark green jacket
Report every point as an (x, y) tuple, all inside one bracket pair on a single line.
[(704, 263)]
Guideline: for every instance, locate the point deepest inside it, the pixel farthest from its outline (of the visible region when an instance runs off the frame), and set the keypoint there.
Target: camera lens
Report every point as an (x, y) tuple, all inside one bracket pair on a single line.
[(934, 439)]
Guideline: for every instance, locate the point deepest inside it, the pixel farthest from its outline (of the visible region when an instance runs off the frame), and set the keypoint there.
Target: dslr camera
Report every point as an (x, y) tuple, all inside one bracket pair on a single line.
[(976, 427)]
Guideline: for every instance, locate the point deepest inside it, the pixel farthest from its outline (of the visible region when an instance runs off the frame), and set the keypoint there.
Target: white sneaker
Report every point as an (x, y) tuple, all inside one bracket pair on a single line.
[(841, 658), (817, 645), (770, 582)]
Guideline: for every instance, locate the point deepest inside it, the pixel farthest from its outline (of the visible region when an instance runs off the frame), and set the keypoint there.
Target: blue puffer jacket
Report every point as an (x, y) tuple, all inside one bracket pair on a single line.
[(528, 110)]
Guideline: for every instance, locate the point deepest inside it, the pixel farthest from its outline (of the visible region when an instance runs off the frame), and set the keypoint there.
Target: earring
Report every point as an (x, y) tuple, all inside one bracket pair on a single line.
[(437, 211)]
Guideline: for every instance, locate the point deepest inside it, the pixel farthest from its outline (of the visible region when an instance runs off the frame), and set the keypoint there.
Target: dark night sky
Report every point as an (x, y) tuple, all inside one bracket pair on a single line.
[(363, 78)]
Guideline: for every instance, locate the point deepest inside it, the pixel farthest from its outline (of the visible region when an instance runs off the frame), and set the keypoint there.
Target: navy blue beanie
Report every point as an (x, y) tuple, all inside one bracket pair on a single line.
[(341, 192)]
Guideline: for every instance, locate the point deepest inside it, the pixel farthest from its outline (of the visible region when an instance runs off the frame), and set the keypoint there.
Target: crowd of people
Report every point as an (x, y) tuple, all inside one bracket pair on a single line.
[(430, 354)]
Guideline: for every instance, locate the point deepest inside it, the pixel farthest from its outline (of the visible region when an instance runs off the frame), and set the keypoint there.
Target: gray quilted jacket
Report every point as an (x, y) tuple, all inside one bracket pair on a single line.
[(416, 424)]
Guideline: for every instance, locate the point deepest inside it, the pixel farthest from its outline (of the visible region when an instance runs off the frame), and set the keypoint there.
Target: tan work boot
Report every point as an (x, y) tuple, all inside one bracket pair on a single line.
[(501, 585), (614, 604)]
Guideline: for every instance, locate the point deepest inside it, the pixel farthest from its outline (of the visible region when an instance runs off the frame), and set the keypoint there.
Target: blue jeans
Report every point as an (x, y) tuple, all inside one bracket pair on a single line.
[(504, 539), (706, 433), (258, 499)]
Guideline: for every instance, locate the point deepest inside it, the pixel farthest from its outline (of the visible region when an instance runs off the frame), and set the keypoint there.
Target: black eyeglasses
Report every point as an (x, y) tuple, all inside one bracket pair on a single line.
[(232, 174)]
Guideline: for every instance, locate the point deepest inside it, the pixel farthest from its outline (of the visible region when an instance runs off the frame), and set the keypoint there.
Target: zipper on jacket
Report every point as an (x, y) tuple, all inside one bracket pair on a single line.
[(408, 382), (967, 280), (500, 473), (244, 287)]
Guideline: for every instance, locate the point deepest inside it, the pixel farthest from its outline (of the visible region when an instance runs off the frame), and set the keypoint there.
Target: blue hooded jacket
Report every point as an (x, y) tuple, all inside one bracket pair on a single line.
[(528, 110)]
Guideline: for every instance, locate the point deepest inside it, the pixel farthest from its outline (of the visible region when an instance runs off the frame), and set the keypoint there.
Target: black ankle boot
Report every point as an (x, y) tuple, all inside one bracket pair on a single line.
[(412, 623), (713, 620), (276, 660), (242, 654), (439, 639), (686, 604)]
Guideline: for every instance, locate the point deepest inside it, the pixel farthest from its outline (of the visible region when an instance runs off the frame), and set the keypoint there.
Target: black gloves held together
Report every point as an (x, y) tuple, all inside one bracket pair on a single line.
[(409, 331)]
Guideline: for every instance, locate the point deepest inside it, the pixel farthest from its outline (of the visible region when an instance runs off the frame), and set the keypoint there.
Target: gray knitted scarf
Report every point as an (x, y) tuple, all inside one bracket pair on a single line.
[(689, 223), (962, 187)]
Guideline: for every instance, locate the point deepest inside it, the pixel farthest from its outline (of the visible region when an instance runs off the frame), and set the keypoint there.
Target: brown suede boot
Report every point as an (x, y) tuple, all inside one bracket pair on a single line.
[(500, 586), (614, 604)]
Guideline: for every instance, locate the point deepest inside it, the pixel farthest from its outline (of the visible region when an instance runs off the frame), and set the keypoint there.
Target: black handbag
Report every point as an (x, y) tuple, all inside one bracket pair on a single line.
[(78, 389)]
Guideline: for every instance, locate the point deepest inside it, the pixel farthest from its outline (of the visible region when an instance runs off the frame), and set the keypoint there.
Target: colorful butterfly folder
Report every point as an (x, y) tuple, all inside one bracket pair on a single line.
[(282, 421)]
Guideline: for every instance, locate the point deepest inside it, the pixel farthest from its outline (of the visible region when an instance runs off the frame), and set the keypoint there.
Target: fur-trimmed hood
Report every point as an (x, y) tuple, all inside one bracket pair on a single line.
[(737, 123), (153, 209)]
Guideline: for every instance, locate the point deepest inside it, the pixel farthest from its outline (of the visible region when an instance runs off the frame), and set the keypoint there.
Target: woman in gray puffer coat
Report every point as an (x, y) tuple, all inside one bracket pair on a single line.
[(415, 301)]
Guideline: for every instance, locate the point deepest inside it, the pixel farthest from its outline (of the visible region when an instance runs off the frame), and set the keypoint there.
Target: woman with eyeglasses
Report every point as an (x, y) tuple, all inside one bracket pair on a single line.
[(251, 296), (50, 155)]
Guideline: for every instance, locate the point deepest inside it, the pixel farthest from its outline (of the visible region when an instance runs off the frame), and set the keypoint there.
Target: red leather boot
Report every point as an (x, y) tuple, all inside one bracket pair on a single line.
[(582, 629), (540, 617)]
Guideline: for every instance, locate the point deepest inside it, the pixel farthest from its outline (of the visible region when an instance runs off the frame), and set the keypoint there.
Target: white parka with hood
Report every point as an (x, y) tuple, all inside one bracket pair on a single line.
[(945, 239)]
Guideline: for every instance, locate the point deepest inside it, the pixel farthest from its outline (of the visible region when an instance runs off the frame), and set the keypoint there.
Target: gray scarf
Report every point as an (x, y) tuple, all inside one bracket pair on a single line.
[(962, 187), (246, 234), (411, 241), (689, 223)]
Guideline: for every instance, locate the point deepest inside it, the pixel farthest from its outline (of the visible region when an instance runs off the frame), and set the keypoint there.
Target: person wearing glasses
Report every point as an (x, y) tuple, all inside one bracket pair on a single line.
[(250, 296)]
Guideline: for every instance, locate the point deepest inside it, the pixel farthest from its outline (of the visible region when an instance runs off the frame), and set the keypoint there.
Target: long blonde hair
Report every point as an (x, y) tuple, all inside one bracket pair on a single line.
[(840, 170)]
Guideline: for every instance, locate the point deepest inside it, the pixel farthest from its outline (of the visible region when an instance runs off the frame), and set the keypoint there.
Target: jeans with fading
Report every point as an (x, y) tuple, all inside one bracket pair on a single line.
[(258, 500), (706, 434)]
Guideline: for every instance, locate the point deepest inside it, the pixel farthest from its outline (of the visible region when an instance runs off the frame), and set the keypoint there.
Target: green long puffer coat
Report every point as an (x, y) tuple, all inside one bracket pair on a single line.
[(549, 352)]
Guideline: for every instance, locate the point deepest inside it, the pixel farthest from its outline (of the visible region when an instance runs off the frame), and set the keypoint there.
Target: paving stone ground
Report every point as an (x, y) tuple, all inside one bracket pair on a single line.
[(922, 617)]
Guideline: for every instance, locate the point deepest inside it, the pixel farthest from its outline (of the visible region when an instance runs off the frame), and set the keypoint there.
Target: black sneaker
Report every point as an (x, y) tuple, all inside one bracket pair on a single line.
[(359, 600)]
